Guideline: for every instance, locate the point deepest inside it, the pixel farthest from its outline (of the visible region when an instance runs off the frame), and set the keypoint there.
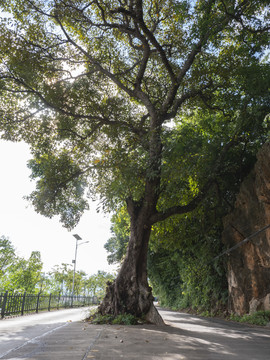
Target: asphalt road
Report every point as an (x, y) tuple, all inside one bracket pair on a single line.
[(62, 336), (208, 338), (17, 332)]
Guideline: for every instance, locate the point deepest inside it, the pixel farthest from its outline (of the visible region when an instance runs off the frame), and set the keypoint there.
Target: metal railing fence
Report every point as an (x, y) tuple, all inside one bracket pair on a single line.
[(20, 304)]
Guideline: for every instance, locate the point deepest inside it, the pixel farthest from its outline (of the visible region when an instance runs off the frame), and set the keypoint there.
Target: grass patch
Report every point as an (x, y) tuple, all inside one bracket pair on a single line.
[(261, 318), (122, 319)]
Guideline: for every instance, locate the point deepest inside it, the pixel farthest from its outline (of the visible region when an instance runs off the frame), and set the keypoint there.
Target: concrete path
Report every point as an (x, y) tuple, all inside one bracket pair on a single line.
[(16, 332), (185, 337)]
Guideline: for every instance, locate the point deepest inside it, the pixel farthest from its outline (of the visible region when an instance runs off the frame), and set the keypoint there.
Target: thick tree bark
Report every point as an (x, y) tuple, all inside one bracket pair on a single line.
[(130, 292)]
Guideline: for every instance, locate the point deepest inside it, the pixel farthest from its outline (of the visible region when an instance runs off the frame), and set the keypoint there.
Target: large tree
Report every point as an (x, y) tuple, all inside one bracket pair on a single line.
[(93, 87)]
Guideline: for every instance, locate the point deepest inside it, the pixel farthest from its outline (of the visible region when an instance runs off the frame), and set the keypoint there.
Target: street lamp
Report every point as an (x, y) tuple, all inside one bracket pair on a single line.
[(78, 238)]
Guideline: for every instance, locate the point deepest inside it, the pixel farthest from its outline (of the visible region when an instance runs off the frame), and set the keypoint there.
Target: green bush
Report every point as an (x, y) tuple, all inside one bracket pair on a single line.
[(122, 319), (125, 319), (101, 319), (261, 318)]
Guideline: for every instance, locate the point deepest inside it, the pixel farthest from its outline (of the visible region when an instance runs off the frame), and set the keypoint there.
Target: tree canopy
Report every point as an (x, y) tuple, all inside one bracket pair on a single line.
[(95, 88), (91, 75)]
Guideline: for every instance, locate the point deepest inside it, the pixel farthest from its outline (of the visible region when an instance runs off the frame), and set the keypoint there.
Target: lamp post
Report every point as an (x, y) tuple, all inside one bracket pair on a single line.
[(78, 238)]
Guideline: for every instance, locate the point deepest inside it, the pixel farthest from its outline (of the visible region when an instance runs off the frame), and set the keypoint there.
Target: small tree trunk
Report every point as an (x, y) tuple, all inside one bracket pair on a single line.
[(130, 292)]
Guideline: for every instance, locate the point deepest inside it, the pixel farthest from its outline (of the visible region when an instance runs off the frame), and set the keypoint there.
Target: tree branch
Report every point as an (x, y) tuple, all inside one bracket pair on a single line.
[(137, 17), (182, 209), (192, 205), (137, 93), (159, 48), (188, 95), (142, 69), (237, 17)]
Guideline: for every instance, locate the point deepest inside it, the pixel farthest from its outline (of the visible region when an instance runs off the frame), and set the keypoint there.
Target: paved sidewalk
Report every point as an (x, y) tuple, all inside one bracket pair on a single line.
[(184, 337)]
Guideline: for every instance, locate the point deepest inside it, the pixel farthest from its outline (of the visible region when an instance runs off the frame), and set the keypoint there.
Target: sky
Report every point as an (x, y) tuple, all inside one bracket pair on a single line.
[(29, 231)]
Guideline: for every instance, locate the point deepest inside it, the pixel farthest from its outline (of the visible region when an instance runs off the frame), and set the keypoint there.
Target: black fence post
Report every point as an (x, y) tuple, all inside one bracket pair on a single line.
[(37, 302), (3, 309), (23, 302), (50, 298)]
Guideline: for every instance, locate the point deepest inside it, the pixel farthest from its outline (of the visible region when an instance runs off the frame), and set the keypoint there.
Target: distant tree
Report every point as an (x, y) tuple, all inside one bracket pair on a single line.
[(93, 87), (7, 255), (60, 278), (24, 275), (79, 281), (96, 284), (44, 284)]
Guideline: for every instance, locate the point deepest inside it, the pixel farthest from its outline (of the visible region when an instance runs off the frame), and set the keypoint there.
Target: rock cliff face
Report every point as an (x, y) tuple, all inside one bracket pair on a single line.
[(249, 265)]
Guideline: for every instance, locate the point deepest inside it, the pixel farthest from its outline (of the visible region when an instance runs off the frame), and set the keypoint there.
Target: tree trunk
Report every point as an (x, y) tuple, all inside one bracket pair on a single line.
[(130, 292)]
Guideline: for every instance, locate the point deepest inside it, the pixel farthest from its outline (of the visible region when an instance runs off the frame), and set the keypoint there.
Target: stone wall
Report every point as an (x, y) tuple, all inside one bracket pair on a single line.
[(249, 265)]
